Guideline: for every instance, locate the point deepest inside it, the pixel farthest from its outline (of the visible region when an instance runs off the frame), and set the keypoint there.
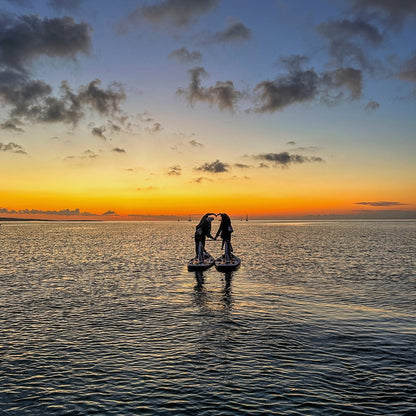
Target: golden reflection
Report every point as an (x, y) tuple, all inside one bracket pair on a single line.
[(208, 300)]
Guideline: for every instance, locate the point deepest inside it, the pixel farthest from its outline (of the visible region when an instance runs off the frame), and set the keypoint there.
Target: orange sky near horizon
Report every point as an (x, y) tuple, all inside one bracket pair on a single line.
[(154, 122)]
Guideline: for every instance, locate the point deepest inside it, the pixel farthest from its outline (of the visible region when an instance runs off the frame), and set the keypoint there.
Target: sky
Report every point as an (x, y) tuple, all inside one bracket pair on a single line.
[(162, 109)]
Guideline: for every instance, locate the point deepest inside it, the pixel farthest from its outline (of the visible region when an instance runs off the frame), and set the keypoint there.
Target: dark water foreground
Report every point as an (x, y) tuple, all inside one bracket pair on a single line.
[(103, 318)]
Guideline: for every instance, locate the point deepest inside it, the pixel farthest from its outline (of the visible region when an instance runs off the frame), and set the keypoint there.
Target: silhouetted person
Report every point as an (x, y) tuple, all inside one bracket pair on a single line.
[(225, 230), (203, 230)]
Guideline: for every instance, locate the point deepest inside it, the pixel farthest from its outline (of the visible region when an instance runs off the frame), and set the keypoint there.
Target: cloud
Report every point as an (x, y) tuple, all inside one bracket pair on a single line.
[(64, 212), (104, 101), (176, 13), (110, 212), (372, 105), (242, 166), (90, 154), (380, 203), (21, 3), (234, 32), (155, 128), (390, 12), (113, 127), (341, 78), (291, 143), (285, 91), (303, 85), (214, 167), (285, 159), (194, 143), (408, 71), (306, 149), (87, 154), (33, 99), (347, 39), (263, 165), (297, 85), (11, 125), (118, 150), (148, 188), (222, 94), (202, 179), (24, 38), (184, 56), (65, 5), (145, 117), (12, 148), (175, 170), (99, 132)]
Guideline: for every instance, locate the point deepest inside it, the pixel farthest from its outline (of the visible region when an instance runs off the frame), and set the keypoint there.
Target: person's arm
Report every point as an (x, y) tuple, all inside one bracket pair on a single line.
[(203, 219), (208, 234)]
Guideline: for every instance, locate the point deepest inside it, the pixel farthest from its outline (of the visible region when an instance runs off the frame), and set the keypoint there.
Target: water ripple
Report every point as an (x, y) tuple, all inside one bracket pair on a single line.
[(319, 320)]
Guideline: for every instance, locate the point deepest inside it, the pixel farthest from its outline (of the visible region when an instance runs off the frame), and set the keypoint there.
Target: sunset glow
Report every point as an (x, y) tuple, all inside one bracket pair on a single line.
[(290, 109)]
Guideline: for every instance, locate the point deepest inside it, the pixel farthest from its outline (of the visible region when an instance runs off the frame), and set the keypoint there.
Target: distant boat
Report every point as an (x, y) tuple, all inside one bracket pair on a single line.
[(246, 217), (190, 219)]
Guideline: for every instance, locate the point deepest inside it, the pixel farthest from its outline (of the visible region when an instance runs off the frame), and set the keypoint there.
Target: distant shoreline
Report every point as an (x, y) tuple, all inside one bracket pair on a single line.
[(254, 220), (42, 219)]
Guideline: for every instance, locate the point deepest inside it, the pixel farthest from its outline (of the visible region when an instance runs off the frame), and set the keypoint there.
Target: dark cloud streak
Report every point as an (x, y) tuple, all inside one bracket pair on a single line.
[(372, 106), (213, 167), (222, 94), (234, 32), (408, 71), (347, 39), (64, 212), (11, 125), (12, 148), (285, 159), (33, 99), (303, 85), (184, 56), (176, 13), (379, 203), (119, 150), (24, 38), (175, 170), (390, 12)]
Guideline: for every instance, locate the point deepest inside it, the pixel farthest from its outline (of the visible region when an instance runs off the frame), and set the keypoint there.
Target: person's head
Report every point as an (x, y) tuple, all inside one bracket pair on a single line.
[(209, 219)]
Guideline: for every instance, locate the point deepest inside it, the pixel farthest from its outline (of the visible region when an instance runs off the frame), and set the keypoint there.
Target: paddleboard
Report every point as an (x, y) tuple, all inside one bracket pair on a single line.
[(223, 266), (195, 265)]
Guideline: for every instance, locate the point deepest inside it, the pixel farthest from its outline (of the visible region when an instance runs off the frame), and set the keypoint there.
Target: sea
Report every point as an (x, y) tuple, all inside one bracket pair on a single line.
[(103, 318)]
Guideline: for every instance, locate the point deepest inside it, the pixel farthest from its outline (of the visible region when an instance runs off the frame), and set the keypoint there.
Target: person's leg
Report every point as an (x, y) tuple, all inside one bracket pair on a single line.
[(196, 244), (201, 249)]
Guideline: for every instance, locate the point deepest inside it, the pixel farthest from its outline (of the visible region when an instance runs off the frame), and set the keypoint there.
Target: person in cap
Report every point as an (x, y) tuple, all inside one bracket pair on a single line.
[(203, 230)]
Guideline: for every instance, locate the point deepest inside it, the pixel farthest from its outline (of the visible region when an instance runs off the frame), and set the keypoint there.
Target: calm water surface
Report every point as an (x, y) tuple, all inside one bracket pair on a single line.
[(103, 318)]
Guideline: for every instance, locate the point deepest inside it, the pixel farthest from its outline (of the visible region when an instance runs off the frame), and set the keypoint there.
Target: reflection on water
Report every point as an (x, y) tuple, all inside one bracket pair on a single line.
[(104, 318), (203, 298)]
